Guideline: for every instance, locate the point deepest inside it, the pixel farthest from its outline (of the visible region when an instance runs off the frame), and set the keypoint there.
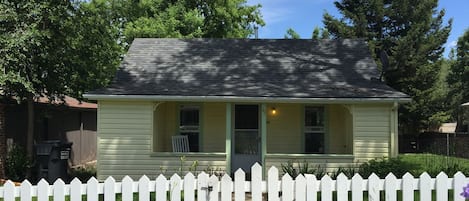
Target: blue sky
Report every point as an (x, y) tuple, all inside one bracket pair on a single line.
[(304, 15)]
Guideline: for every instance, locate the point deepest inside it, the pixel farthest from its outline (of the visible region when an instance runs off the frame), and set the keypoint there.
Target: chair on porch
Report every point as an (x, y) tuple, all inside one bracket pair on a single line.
[(180, 143)]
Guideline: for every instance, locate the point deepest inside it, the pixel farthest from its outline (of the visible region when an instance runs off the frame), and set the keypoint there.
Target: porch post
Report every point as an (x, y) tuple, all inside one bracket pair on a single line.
[(263, 134), (228, 138)]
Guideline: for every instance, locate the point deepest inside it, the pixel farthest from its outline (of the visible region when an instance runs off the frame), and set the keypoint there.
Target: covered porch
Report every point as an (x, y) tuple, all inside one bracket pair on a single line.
[(225, 136)]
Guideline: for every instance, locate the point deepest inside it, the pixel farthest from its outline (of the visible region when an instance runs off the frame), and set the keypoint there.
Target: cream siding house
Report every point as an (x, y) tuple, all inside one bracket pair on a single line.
[(244, 101)]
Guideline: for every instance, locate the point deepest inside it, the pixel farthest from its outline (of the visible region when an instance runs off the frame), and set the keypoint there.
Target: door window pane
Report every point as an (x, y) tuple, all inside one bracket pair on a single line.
[(189, 125), (247, 117)]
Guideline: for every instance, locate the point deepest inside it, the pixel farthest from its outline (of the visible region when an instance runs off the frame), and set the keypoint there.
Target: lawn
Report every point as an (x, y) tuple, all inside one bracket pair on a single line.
[(434, 164)]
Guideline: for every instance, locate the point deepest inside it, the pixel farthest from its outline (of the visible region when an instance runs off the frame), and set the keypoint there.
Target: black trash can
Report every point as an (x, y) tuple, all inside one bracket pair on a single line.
[(52, 160)]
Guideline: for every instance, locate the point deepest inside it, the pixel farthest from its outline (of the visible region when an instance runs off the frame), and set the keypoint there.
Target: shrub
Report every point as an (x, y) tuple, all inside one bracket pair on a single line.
[(382, 167), (302, 168), (83, 173), (17, 164)]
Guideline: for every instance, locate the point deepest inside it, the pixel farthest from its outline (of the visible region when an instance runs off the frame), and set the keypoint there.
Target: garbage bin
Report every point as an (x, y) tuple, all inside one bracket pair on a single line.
[(52, 158)]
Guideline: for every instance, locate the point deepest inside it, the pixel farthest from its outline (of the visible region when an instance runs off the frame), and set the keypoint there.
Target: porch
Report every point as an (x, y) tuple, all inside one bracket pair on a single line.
[(228, 136)]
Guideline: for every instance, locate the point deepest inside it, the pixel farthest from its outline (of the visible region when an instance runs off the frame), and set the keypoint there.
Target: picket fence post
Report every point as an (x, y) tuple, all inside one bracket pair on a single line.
[(458, 183), (92, 191), (59, 190), (425, 186), (357, 188), (226, 186), (75, 190), (160, 188), (442, 187), (312, 187), (390, 187), (373, 187), (239, 181), (43, 191), (25, 191), (342, 186), (272, 184), (127, 189), (256, 182), (189, 181), (408, 187)]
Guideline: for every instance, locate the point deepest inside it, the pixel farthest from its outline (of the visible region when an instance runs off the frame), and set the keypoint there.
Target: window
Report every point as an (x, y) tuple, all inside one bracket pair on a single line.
[(189, 125), (314, 129)]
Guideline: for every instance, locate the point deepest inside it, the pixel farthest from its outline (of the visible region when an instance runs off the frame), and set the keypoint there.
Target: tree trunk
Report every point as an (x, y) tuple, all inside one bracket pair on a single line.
[(30, 133), (3, 144)]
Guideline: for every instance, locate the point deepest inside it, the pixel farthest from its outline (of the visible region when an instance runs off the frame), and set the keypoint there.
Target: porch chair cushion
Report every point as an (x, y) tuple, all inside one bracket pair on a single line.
[(180, 143)]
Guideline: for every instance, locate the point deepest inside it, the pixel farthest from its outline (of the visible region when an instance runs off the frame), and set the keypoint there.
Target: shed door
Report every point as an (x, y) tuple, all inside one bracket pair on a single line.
[(246, 141)]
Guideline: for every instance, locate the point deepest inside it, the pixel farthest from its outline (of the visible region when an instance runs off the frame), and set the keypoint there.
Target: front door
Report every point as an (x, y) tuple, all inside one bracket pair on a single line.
[(246, 140)]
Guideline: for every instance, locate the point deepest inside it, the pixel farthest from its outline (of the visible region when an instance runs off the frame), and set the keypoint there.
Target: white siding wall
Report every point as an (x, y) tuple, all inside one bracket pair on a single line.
[(372, 131), (125, 131)]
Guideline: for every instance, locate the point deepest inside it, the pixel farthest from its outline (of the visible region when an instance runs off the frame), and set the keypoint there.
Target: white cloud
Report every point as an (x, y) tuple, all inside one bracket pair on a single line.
[(452, 44)]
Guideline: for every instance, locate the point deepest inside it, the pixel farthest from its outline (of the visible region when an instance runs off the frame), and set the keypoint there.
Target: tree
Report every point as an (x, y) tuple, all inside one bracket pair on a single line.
[(291, 34), (320, 33), (458, 78), (183, 18), (53, 48), (411, 34)]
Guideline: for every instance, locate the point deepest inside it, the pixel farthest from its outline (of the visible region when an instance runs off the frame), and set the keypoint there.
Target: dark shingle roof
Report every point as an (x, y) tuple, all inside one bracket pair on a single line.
[(249, 68)]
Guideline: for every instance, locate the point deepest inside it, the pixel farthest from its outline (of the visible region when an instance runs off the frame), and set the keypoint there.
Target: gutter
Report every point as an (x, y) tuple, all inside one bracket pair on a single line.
[(242, 99)]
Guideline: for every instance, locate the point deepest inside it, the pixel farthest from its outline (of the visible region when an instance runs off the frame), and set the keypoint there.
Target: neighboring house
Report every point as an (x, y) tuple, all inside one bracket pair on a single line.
[(242, 101), (68, 121)]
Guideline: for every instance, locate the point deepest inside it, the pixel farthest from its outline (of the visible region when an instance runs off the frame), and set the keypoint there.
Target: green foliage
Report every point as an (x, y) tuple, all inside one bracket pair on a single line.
[(302, 168), (320, 33), (182, 18), (412, 34), (383, 167), (83, 173), (17, 163), (291, 34), (458, 78), (55, 48)]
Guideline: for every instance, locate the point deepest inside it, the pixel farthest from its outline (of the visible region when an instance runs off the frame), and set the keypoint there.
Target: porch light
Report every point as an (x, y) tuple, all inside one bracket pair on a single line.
[(274, 111)]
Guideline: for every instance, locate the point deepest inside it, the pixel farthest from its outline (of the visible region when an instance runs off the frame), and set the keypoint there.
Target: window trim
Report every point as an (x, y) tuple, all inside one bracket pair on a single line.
[(198, 106), (326, 128)]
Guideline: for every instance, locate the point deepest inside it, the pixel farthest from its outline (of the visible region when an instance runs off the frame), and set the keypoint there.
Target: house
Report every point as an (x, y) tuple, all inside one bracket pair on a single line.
[(242, 101), (69, 121)]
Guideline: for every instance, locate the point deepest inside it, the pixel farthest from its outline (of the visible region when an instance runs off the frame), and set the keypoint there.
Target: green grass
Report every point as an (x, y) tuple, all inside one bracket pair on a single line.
[(434, 164)]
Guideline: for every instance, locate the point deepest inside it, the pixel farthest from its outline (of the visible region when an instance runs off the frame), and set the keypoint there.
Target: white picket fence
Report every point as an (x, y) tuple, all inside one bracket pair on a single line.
[(211, 188)]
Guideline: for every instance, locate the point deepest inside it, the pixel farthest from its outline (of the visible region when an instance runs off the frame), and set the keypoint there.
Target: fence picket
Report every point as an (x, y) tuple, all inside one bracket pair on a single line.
[(459, 183), (390, 187), (226, 188), (189, 187), (272, 184), (92, 189), (143, 188), (127, 189), (287, 188), (175, 188), (240, 194), (357, 187), (75, 190), (300, 188), (256, 182), (59, 190), (442, 187), (213, 183), (342, 187), (42, 190), (25, 191), (160, 188), (312, 187), (326, 188), (110, 189), (9, 192), (210, 188), (202, 187), (408, 187), (425, 186), (373, 187)]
